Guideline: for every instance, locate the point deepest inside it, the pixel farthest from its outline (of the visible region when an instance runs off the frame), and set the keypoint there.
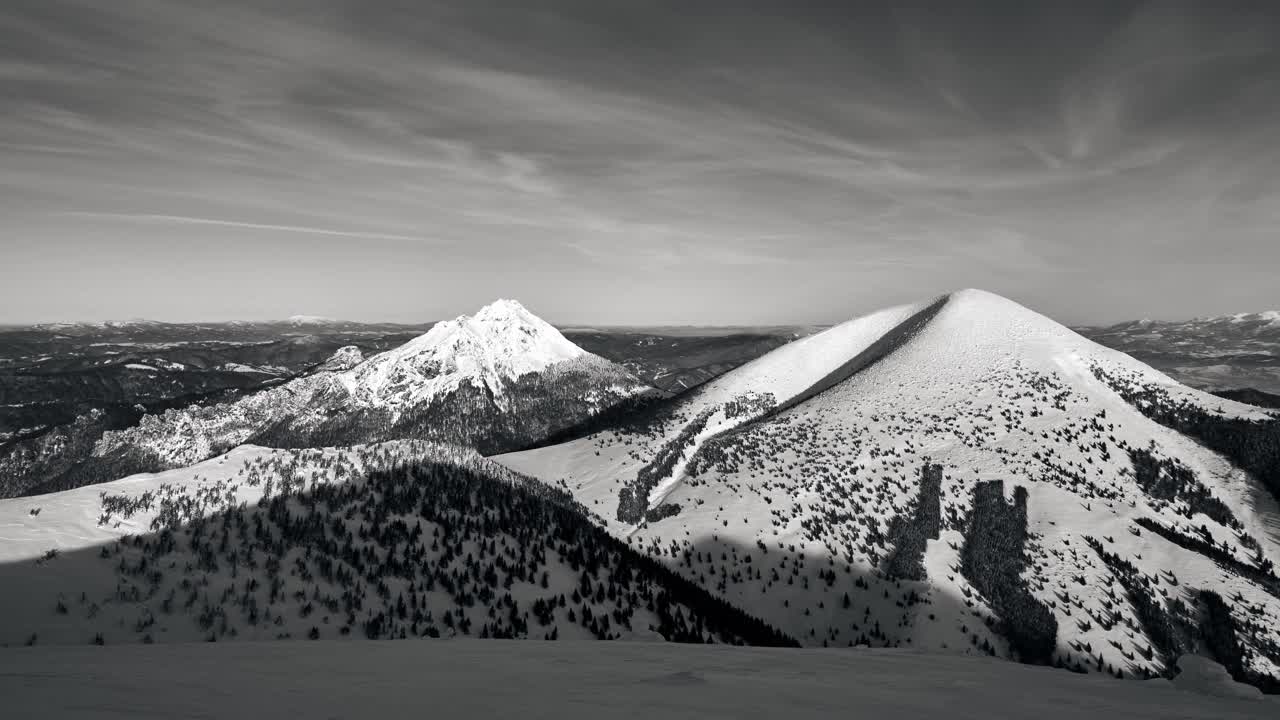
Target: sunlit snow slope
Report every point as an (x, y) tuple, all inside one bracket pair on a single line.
[(798, 495)]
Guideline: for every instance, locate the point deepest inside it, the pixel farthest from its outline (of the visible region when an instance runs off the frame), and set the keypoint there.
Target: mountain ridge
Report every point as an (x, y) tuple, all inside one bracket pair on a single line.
[(995, 396), (1231, 352)]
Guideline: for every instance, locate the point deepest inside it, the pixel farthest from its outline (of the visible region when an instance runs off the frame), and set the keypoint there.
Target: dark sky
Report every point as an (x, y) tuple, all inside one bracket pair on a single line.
[(635, 162)]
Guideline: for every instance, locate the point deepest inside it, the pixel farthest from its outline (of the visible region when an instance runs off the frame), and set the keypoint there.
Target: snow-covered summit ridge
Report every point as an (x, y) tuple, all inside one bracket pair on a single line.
[(88, 325), (500, 343), (977, 332), (301, 320), (1261, 321), (1265, 316)]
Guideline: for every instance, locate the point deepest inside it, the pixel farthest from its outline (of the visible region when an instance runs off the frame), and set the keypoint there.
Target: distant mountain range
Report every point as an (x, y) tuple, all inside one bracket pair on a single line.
[(1229, 352)]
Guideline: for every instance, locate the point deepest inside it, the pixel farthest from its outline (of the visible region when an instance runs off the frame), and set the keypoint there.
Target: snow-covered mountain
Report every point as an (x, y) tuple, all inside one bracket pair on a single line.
[(80, 328), (489, 350), (498, 380), (1255, 322), (305, 320), (962, 474)]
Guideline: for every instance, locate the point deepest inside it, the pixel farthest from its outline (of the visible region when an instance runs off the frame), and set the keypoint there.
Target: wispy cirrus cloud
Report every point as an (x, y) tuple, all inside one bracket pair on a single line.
[(671, 153), (151, 218)]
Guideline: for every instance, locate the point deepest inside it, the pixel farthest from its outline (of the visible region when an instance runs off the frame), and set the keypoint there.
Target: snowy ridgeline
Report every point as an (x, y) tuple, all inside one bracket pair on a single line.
[(806, 495), (393, 540), (565, 680)]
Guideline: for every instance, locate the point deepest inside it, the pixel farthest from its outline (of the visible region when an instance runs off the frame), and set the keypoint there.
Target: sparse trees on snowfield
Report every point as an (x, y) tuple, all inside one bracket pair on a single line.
[(1253, 445), (380, 552)]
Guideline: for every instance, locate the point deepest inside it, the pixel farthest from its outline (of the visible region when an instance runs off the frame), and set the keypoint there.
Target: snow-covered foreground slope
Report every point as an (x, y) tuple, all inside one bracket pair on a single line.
[(807, 513), (499, 379), (76, 519), (484, 679), (391, 540)]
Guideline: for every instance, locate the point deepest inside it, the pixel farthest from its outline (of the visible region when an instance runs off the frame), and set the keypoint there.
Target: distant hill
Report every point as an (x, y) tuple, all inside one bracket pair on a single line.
[(1217, 353)]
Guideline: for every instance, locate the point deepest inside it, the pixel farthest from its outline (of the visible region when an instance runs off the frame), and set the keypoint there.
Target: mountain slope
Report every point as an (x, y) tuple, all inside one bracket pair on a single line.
[(497, 380), (393, 540), (862, 468)]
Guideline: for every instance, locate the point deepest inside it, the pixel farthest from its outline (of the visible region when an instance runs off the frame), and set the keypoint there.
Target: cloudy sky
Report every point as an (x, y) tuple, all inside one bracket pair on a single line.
[(634, 162)]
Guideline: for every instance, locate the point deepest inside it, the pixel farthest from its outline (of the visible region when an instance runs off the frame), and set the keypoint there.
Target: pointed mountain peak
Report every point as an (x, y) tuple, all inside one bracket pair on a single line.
[(988, 308), (502, 309), (973, 298), (500, 343), (505, 328), (973, 294)]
